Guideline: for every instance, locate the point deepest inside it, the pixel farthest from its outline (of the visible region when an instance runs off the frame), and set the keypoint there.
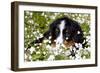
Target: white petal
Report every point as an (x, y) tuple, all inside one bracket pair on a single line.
[(67, 53), (49, 37), (80, 45), (40, 43), (37, 46), (49, 41), (66, 38), (30, 57), (37, 52), (78, 32), (31, 13), (54, 40), (51, 58), (32, 49), (48, 46), (76, 44), (78, 56)]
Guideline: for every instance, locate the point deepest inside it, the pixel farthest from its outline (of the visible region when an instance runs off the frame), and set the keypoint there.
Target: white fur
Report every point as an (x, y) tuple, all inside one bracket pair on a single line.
[(60, 37)]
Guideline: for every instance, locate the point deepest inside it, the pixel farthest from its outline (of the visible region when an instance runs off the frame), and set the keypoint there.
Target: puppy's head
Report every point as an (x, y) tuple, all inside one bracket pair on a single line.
[(65, 30)]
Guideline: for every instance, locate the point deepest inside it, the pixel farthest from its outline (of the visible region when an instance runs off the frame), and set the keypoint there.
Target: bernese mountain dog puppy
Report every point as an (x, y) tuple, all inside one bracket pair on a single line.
[(62, 31)]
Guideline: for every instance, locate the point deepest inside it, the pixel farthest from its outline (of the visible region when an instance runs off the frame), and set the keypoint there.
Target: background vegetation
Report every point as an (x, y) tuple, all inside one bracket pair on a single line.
[(36, 23)]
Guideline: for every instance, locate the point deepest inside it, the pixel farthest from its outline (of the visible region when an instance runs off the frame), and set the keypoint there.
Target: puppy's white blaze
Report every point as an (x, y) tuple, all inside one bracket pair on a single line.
[(60, 37)]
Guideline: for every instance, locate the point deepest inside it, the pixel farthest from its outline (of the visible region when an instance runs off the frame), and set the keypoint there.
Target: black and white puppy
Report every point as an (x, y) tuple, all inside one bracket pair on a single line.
[(63, 31)]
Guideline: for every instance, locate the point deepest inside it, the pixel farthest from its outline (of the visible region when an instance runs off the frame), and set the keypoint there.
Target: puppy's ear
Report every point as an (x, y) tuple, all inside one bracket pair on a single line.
[(47, 34), (78, 38)]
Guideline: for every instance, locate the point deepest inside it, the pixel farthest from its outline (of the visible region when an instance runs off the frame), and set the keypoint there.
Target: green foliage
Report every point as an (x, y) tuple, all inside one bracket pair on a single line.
[(85, 54), (86, 28), (61, 57), (36, 23)]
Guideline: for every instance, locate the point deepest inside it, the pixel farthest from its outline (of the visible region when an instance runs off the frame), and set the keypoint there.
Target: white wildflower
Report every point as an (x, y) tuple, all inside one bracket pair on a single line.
[(29, 26), (31, 13), (66, 38), (73, 15), (49, 41), (37, 37), (45, 41), (38, 52), (74, 48), (86, 52), (55, 52), (53, 17), (78, 45), (32, 49), (88, 38), (51, 58), (41, 35), (25, 48), (45, 15), (37, 46), (63, 45), (78, 32), (83, 20), (84, 32), (28, 36), (73, 58), (80, 15), (25, 56), (70, 57), (55, 14), (44, 52), (27, 12), (31, 35), (55, 40), (77, 57), (49, 37), (78, 18), (78, 51), (34, 32), (32, 22), (26, 17), (29, 21), (30, 57), (25, 28), (38, 31), (84, 57), (40, 44), (67, 52), (48, 46), (60, 50), (42, 14)]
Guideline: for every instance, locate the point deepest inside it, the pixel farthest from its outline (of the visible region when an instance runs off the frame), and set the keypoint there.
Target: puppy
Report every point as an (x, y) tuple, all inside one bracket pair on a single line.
[(62, 31)]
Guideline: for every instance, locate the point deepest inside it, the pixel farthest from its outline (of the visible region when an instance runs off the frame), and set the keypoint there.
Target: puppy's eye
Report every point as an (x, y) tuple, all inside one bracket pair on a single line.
[(57, 30), (66, 30)]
